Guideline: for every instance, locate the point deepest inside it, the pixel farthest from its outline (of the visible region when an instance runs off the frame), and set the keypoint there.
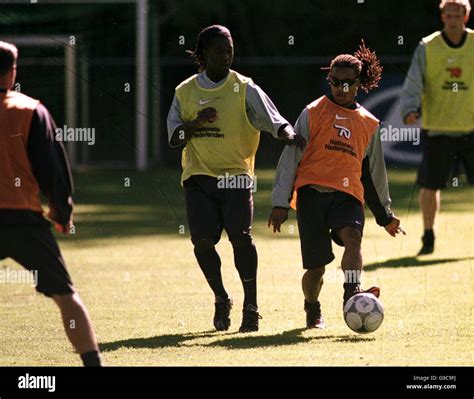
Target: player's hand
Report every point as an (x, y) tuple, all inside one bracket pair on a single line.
[(207, 115), (412, 118), (394, 228), (288, 135), (60, 228), (277, 218), (63, 228), (297, 140)]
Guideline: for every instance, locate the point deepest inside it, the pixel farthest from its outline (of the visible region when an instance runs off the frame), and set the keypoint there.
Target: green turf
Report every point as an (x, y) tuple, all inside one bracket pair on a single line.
[(151, 306)]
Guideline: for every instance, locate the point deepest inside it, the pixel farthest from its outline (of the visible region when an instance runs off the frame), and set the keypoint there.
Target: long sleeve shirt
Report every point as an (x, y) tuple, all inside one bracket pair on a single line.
[(413, 87), (262, 113), (51, 169), (374, 175)]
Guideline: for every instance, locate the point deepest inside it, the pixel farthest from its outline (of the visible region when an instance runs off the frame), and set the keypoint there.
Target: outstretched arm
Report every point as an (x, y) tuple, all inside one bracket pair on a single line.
[(264, 116), (285, 175)]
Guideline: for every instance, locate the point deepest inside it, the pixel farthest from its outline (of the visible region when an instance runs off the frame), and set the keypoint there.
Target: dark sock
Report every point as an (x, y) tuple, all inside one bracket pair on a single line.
[(210, 264), (429, 235), (250, 293), (246, 261), (350, 288), (91, 359), (217, 287), (311, 307)]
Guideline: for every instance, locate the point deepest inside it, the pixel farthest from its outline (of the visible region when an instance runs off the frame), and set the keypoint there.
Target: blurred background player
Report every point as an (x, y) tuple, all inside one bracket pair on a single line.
[(219, 114), (342, 165), (32, 161), (440, 87)]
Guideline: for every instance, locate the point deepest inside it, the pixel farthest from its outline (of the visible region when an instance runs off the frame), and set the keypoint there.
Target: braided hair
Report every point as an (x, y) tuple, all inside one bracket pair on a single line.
[(204, 37), (365, 63)]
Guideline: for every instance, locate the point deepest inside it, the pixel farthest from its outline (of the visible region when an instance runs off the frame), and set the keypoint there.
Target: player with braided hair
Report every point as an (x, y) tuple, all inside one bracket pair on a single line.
[(328, 182), (218, 115)]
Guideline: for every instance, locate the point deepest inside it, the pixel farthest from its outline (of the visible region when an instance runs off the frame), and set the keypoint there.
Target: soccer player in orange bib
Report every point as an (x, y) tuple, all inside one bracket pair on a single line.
[(328, 182), (32, 161)]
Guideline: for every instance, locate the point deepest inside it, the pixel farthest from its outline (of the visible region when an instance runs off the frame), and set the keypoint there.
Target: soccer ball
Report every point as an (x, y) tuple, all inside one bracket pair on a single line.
[(363, 313)]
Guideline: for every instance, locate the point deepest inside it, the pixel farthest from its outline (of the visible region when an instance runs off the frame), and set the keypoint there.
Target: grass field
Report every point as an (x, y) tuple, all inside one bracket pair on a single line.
[(134, 267)]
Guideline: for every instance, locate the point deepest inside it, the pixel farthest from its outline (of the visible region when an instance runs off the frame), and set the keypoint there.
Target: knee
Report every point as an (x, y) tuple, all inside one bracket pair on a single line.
[(203, 245), (242, 241), (316, 274), (67, 300), (351, 237)]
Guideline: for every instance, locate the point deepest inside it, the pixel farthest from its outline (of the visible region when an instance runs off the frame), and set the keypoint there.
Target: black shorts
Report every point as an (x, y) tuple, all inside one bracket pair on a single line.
[(440, 156), (320, 216), (211, 209), (35, 248)]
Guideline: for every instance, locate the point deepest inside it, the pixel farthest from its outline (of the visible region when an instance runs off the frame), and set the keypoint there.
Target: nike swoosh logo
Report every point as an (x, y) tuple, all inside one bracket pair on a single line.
[(204, 102), (341, 118)]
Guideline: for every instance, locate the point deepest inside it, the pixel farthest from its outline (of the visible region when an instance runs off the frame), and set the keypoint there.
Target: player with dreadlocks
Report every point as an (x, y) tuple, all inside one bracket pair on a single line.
[(218, 114), (341, 167)]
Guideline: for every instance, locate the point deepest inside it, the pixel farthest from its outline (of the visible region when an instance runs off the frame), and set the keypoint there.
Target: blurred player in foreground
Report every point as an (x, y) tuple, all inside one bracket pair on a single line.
[(32, 161)]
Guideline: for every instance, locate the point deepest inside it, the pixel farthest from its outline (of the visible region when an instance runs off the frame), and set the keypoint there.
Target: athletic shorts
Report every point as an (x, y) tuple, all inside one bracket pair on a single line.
[(320, 216), (35, 248), (440, 156), (211, 209)]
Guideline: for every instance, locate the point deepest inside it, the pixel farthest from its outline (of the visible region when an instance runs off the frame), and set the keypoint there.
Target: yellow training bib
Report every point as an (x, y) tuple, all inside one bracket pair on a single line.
[(228, 145), (448, 97)]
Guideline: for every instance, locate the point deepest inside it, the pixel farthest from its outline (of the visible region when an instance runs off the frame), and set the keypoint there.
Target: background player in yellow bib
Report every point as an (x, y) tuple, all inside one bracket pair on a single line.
[(219, 114), (440, 87), (341, 166)]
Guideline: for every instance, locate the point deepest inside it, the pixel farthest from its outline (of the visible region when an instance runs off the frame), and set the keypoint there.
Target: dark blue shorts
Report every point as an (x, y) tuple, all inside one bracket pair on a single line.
[(211, 209), (442, 156), (35, 248), (320, 216)]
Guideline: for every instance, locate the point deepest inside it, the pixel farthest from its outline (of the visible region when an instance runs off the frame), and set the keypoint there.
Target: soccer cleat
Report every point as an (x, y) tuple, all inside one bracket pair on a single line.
[(428, 245), (250, 318), (222, 314), (314, 318), (375, 291)]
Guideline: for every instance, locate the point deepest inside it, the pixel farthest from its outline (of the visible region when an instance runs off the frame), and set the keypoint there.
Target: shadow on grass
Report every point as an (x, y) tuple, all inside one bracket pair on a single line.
[(291, 337), (159, 341), (411, 261), (354, 339)]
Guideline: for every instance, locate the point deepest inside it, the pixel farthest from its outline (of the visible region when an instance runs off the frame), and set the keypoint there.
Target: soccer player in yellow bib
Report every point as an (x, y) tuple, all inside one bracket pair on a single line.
[(439, 87), (218, 114), (341, 167)]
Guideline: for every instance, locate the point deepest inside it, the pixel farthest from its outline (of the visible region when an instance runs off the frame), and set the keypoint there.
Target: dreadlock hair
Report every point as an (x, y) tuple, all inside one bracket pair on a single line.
[(364, 62), (204, 37)]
